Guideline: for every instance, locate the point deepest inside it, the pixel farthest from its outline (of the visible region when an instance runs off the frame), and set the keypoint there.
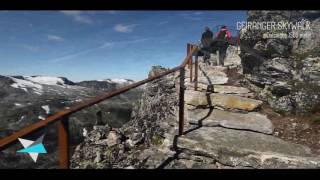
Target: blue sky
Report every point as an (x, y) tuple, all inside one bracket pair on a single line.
[(87, 45)]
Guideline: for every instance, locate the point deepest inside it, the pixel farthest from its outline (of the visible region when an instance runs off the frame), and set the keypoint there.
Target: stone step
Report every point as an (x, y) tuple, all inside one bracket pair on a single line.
[(215, 79), (211, 75), (226, 101), (211, 80), (224, 89), (246, 149), (230, 89), (212, 69), (252, 121)]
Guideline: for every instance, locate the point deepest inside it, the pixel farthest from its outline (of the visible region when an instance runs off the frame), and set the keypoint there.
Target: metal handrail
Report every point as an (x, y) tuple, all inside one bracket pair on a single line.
[(63, 116)]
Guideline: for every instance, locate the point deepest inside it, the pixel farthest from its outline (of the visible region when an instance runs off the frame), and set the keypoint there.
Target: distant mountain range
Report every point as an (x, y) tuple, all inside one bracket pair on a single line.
[(25, 100)]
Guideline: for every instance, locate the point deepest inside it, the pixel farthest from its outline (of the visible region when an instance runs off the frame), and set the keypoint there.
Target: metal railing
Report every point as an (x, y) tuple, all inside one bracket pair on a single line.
[(62, 117)]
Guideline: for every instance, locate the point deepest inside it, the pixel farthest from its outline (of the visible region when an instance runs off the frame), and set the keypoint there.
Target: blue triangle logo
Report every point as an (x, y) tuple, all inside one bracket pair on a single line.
[(38, 148)]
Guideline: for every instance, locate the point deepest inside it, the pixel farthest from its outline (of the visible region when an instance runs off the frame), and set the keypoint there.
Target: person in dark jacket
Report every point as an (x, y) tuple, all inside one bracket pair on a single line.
[(206, 39)]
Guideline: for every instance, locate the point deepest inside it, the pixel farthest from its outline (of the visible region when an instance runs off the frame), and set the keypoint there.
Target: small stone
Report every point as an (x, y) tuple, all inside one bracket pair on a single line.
[(85, 132), (102, 142), (294, 125), (129, 143), (112, 139), (306, 126), (98, 157)]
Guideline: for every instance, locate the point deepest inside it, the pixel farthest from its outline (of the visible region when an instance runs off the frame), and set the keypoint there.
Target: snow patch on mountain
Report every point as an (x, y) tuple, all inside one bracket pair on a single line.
[(21, 119), (25, 85), (46, 108), (118, 81), (47, 80), (41, 117), (17, 104)]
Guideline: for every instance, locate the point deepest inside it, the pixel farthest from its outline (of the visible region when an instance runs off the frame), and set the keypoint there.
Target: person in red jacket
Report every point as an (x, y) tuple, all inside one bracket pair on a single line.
[(224, 34), (223, 38)]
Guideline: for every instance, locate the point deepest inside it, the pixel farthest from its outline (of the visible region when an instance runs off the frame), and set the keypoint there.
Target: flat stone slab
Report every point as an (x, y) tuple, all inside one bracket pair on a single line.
[(213, 79), (252, 121), (201, 87), (230, 89), (247, 149), (224, 89), (197, 98), (235, 102), (211, 69)]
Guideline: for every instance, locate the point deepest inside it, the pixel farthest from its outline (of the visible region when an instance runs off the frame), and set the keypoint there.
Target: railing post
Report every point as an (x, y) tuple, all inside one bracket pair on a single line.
[(63, 143), (99, 118), (188, 52), (181, 101), (190, 62), (196, 73)]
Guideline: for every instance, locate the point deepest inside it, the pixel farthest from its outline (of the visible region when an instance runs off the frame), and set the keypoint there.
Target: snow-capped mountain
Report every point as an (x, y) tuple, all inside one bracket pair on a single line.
[(36, 84)]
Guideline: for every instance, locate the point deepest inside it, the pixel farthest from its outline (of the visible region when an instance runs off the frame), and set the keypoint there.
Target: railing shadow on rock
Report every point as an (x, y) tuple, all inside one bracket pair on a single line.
[(62, 117)]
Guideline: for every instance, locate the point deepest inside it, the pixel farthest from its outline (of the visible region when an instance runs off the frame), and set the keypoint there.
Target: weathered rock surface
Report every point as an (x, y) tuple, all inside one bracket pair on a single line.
[(197, 98), (252, 121), (246, 149)]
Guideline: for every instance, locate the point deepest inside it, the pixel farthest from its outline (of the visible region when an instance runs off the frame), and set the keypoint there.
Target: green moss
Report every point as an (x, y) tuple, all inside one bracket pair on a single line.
[(315, 118), (299, 56), (156, 139), (270, 97), (306, 87), (108, 154), (281, 111)]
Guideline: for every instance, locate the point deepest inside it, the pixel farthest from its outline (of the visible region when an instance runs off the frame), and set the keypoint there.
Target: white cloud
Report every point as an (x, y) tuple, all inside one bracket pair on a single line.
[(89, 50), (124, 28), (78, 16), (107, 45), (29, 47), (52, 37), (163, 22), (196, 16)]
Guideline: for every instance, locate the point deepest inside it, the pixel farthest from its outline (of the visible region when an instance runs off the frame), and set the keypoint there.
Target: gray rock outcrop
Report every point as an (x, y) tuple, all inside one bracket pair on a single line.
[(284, 71)]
